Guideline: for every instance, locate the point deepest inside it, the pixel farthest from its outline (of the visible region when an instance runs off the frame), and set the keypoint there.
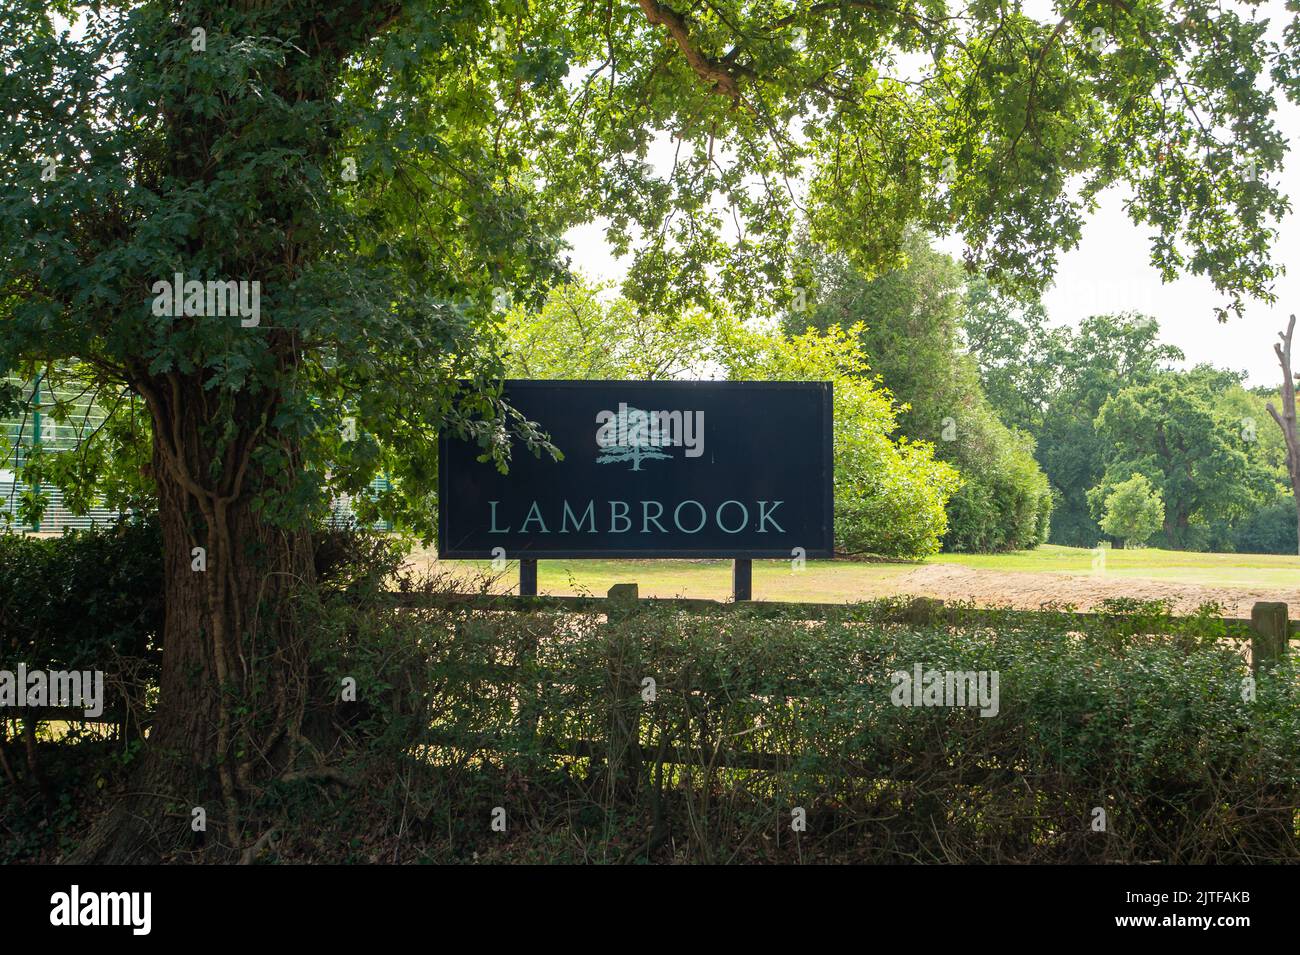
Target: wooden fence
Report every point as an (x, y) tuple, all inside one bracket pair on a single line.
[(622, 753), (1268, 627)]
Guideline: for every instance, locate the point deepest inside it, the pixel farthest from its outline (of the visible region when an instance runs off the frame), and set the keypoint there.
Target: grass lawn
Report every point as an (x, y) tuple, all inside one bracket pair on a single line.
[(847, 580)]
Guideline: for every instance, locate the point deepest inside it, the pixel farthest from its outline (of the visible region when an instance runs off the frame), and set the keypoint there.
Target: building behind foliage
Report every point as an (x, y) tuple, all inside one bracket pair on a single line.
[(34, 426)]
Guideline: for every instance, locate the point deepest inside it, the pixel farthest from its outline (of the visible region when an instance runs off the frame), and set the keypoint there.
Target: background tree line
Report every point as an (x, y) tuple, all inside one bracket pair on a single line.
[(1104, 402), (963, 419)]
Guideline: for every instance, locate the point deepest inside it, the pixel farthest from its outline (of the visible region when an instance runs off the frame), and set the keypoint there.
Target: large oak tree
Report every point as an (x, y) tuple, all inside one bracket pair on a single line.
[(388, 172)]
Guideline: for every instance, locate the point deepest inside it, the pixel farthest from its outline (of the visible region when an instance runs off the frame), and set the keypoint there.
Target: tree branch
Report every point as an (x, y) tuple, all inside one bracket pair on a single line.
[(721, 79)]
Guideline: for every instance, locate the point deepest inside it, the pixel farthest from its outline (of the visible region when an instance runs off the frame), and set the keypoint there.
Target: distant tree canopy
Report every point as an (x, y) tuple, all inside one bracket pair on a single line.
[(1067, 376), (1193, 453), (1011, 345)]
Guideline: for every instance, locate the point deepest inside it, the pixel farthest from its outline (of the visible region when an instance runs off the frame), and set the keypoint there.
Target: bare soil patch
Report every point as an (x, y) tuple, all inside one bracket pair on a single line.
[(1029, 591)]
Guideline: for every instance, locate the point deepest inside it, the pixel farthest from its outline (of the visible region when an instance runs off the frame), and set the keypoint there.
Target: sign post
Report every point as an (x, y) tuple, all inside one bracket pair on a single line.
[(666, 469), (527, 577), (742, 579)]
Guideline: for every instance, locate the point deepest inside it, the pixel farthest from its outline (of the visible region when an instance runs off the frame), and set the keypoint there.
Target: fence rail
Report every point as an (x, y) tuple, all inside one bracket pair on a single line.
[(1268, 627)]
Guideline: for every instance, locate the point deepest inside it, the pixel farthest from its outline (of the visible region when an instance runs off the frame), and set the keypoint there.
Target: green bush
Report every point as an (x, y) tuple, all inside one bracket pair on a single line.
[(752, 714), (83, 600), (889, 492), (1131, 510), (93, 599), (1005, 502), (909, 324)]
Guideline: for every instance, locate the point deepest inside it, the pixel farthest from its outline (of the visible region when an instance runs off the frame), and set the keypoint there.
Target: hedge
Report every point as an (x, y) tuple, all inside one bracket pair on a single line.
[(754, 717), (83, 600)]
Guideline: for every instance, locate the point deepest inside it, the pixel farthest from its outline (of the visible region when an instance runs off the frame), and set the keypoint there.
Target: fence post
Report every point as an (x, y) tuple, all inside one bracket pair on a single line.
[(622, 687), (1269, 634), (1275, 822), (622, 601)]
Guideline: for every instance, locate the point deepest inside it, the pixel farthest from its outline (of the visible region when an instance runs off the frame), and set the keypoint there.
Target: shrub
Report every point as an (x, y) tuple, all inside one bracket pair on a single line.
[(908, 322), (1132, 511), (88, 600), (890, 493), (93, 599), (1004, 502)]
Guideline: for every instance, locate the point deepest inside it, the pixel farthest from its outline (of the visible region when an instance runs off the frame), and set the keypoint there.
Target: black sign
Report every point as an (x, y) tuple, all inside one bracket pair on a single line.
[(650, 469)]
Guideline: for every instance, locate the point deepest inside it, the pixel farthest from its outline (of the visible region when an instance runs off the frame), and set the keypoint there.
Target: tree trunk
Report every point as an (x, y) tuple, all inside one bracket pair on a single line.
[(234, 693), (1176, 527), (1286, 420), (235, 668)]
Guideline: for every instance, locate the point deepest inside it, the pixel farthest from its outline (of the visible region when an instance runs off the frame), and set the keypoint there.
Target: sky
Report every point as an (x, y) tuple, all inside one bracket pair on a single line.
[(1110, 271)]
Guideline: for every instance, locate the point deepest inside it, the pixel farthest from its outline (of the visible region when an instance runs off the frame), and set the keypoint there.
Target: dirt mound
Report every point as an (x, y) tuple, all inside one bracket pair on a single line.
[(1029, 591)]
